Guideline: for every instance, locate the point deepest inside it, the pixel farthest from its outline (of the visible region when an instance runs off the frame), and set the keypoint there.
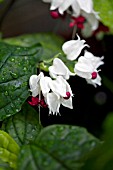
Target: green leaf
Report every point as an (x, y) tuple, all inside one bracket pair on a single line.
[(9, 149), (24, 127), (57, 147), (52, 47), (102, 157), (4, 166), (108, 83), (51, 43), (105, 9), (1, 1), (17, 64)]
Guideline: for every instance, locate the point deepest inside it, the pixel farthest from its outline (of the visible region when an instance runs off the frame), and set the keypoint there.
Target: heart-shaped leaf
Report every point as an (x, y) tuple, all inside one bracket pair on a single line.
[(24, 126), (9, 149), (58, 147), (17, 64)]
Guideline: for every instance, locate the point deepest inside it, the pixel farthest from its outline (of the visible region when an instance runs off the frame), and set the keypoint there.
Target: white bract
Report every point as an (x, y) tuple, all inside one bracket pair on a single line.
[(55, 92), (86, 67), (39, 83), (60, 88), (59, 69), (34, 84), (73, 48), (92, 19), (77, 5)]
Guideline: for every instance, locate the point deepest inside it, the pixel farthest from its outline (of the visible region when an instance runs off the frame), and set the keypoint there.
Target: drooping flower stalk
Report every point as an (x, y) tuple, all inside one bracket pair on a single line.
[(74, 32)]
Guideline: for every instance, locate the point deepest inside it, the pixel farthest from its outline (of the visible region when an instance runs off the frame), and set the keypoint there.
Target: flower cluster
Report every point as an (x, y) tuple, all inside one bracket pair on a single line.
[(80, 11), (55, 89), (55, 92)]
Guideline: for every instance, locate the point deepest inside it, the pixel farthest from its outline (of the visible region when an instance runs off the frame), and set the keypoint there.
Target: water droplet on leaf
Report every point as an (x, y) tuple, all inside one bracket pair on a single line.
[(25, 69), (14, 75), (12, 105), (3, 78), (12, 59), (17, 110), (18, 85), (6, 93)]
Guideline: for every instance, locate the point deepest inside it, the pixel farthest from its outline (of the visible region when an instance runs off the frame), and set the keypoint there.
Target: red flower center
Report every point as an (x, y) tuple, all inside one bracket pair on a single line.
[(55, 14), (94, 75), (35, 102), (67, 95), (79, 22)]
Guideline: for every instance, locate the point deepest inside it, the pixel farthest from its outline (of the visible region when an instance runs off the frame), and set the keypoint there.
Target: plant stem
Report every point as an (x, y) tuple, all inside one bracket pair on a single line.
[(74, 32), (39, 106), (39, 99)]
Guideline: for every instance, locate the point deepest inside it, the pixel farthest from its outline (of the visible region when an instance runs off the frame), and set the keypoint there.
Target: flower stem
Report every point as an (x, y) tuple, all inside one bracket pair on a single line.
[(74, 32), (39, 99)]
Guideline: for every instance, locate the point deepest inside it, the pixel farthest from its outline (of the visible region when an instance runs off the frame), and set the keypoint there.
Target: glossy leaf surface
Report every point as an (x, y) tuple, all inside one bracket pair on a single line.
[(58, 147), (9, 149), (17, 64), (24, 126)]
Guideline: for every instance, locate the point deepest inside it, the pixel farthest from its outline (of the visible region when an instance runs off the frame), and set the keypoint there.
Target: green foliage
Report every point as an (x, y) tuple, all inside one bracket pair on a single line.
[(24, 126), (17, 64), (8, 150), (105, 9), (51, 43), (4, 166), (54, 147), (52, 47), (108, 83), (58, 147), (102, 157), (1, 1)]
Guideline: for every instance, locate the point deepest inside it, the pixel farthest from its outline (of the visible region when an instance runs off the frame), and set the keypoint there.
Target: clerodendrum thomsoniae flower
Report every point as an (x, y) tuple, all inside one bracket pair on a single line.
[(79, 8), (55, 92), (86, 67)]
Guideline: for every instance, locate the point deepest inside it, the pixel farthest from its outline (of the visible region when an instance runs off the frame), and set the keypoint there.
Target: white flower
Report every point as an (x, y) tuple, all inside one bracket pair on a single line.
[(77, 5), (73, 48), (59, 69), (34, 84), (39, 83), (92, 19), (61, 94), (86, 67), (55, 92)]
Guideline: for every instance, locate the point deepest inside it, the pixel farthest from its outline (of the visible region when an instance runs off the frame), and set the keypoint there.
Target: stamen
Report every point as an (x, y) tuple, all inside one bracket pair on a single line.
[(94, 75), (67, 95), (55, 14), (79, 22), (71, 24)]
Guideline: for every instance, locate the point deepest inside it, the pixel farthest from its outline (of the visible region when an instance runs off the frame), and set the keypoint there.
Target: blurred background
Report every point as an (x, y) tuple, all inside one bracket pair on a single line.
[(91, 105)]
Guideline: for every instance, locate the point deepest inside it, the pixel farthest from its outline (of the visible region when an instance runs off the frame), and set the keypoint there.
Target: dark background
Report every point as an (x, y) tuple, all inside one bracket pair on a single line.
[(91, 105)]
